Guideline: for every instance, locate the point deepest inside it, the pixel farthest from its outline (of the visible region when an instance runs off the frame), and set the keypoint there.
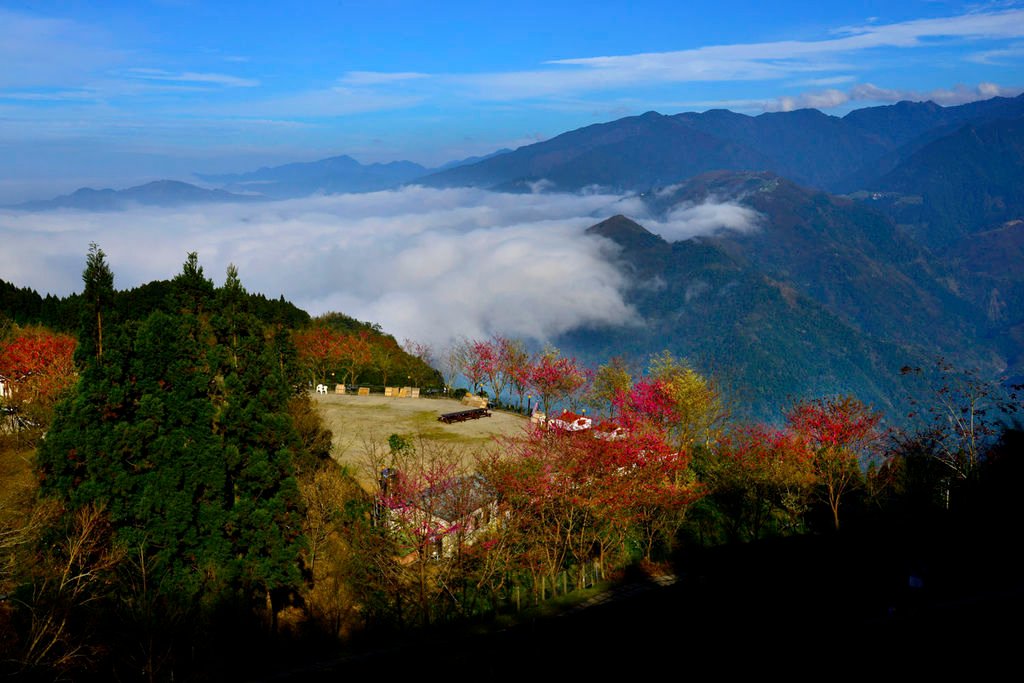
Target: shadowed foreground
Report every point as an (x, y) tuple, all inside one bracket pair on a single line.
[(816, 606)]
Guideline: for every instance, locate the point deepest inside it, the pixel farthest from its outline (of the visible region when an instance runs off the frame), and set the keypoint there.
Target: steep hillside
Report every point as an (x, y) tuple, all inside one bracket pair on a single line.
[(828, 296), (968, 181)]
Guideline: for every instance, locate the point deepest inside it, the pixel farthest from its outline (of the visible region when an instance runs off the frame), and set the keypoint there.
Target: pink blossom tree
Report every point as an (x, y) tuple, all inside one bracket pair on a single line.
[(555, 377)]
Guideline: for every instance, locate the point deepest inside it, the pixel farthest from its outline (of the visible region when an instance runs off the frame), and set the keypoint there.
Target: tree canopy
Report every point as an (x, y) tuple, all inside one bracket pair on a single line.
[(180, 429)]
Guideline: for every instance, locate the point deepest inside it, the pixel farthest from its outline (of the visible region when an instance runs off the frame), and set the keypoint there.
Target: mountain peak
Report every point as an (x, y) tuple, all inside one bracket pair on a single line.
[(624, 231)]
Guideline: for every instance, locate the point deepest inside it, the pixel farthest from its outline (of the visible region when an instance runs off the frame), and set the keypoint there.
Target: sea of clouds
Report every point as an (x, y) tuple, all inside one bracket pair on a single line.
[(426, 264)]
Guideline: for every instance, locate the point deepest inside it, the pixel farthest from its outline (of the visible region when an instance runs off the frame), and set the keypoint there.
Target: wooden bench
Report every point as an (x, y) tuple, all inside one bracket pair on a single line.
[(463, 415)]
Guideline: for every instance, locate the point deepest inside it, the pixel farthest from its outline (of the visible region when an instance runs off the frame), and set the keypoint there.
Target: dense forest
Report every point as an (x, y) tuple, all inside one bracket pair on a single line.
[(177, 514)]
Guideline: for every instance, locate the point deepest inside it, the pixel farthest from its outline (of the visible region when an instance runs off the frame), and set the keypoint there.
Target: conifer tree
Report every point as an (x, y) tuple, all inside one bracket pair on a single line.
[(98, 297), (181, 429)]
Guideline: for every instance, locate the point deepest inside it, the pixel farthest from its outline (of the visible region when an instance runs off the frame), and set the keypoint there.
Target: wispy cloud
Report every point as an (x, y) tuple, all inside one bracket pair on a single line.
[(755, 61), (830, 80), (192, 77), (1010, 55), (328, 102), (48, 95), (740, 61), (379, 77)]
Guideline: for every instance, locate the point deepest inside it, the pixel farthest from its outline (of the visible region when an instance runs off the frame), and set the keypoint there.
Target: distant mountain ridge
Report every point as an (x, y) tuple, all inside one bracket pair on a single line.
[(338, 174), (859, 151), (806, 145), (326, 176), (164, 193)]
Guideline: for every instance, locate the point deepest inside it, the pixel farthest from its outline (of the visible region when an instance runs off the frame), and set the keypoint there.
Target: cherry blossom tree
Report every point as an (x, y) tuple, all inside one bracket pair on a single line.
[(555, 377), (842, 434), (516, 365), (481, 362)]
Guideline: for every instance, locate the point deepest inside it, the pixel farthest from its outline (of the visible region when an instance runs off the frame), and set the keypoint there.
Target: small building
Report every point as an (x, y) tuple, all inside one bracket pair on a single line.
[(570, 422), (446, 515)]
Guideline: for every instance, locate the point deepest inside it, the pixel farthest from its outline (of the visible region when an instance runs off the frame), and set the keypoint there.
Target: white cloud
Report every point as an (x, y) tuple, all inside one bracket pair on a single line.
[(825, 99), (752, 61), (425, 264), (685, 221)]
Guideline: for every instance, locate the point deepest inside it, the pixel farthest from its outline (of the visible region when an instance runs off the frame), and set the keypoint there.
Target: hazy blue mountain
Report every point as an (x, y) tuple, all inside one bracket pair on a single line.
[(327, 176), (969, 181), (470, 160), (906, 122), (915, 125), (628, 154), (806, 145), (163, 193)]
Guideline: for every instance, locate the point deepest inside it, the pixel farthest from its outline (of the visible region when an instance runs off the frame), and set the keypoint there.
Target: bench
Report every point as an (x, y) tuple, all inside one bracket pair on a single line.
[(463, 415)]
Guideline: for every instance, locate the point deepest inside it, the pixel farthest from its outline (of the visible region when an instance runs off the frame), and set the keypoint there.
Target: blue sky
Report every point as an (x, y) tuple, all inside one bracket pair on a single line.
[(116, 93)]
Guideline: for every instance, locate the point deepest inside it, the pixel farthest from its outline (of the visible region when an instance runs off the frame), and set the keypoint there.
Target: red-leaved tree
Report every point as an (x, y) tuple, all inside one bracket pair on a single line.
[(355, 355), (38, 368), (842, 433), (555, 377), (319, 349)]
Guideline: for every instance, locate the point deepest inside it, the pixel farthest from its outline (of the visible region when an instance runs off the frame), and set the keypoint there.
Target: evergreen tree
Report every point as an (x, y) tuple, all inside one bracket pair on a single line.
[(98, 297), (181, 428)]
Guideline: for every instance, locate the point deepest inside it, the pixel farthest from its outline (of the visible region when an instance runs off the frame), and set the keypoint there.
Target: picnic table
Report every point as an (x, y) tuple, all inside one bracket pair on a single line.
[(463, 415)]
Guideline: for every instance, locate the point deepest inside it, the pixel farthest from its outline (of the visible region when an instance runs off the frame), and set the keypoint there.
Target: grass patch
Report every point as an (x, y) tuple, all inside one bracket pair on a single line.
[(362, 424)]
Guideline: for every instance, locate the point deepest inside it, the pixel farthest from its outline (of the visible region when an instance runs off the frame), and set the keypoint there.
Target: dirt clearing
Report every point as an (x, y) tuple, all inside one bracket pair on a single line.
[(363, 423)]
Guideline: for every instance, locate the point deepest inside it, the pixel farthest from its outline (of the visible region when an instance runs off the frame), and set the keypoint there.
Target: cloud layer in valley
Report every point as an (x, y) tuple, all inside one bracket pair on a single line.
[(426, 264)]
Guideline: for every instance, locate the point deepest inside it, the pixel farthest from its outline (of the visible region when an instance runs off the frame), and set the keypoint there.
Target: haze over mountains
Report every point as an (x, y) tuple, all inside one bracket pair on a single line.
[(327, 176), (789, 254), (157, 193)]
